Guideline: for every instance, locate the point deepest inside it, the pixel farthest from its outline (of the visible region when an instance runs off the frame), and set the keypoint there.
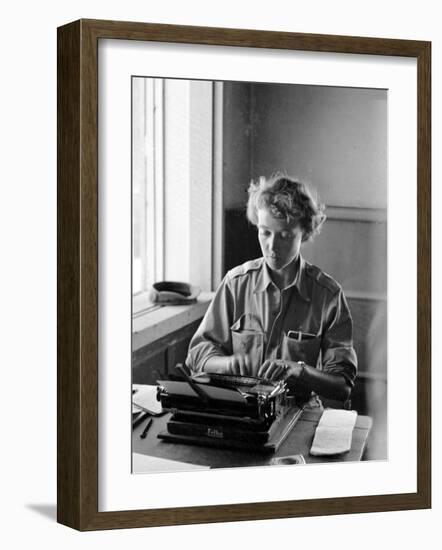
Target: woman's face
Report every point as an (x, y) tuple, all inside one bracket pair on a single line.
[(280, 241)]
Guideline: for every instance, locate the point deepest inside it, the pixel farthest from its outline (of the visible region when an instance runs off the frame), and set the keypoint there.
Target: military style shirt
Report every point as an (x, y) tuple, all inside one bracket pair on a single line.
[(308, 321)]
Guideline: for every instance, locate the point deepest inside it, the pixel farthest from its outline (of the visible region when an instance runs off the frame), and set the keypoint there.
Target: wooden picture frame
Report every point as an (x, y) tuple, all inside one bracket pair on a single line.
[(77, 224)]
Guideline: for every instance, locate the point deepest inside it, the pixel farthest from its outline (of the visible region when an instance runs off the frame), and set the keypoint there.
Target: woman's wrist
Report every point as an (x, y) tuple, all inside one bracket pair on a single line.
[(325, 384), (220, 364), (296, 369)]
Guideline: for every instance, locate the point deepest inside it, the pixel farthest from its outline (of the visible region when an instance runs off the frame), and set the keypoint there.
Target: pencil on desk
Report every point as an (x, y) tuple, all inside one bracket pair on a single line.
[(146, 429), (142, 415)]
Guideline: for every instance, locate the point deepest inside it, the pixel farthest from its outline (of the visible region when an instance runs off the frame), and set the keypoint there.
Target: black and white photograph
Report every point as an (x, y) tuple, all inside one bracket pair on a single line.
[(259, 274)]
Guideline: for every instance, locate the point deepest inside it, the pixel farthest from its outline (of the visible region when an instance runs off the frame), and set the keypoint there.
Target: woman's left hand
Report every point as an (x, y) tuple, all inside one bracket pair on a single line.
[(279, 369)]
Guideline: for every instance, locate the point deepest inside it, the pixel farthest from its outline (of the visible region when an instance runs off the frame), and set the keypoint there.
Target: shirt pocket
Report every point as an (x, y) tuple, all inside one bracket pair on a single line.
[(246, 340), (301, 350)]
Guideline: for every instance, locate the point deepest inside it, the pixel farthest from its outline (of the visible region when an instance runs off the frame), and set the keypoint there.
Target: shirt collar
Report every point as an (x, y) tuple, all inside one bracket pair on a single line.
[(300, 282), (263, 279)]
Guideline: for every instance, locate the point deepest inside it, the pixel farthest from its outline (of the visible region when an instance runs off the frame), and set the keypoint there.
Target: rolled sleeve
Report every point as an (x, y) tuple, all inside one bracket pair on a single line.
[(338, 354), (213, 335)]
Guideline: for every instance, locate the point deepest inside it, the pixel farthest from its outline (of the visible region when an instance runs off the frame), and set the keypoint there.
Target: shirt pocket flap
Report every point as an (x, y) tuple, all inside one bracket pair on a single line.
[(246, 323)]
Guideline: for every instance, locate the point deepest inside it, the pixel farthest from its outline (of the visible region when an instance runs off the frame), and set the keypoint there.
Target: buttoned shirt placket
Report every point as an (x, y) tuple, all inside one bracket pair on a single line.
[(273, 345)]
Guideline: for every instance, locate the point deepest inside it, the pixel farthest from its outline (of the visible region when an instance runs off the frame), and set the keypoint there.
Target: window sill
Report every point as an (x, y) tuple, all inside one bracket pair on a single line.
[(158, 322)]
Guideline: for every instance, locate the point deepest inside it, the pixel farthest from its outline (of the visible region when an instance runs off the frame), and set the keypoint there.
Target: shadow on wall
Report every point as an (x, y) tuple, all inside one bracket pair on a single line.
[(376, 383)]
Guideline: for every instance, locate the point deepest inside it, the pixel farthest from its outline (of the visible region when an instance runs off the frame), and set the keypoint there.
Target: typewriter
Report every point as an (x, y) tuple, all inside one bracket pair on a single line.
[(227, 411)]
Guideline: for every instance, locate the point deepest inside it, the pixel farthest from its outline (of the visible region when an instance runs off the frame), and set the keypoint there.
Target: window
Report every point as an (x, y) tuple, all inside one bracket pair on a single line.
[(175, 206), (148, 183)]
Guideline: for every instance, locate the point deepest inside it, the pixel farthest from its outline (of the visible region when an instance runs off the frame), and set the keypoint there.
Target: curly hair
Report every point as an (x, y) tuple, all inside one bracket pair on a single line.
[(286, 198)]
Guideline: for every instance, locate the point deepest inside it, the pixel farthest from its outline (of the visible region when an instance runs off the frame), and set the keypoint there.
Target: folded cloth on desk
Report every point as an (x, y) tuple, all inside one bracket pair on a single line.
[(333, 433)]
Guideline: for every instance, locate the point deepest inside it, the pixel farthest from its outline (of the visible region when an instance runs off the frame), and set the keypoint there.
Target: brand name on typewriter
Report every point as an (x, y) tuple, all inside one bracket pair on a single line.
[(214, 432)]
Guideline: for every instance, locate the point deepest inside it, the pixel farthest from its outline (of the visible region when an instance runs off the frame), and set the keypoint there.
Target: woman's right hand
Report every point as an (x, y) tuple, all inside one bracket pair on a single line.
[(229, 364), (241, 364)]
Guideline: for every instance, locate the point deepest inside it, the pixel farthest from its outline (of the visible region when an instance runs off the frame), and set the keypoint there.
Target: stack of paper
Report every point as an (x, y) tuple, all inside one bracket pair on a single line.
[(145, 398), (333, 433)]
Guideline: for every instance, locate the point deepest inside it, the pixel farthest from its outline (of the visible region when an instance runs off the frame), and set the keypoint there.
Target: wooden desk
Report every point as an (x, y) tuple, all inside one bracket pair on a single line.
[(298, 442)]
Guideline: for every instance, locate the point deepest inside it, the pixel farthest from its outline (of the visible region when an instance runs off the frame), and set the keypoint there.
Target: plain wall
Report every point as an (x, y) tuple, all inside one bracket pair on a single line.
[(332, 138), (237, 153), (335, 139)]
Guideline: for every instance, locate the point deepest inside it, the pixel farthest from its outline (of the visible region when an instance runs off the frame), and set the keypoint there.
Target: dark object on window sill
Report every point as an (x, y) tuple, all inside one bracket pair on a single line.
[(173, 293)]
